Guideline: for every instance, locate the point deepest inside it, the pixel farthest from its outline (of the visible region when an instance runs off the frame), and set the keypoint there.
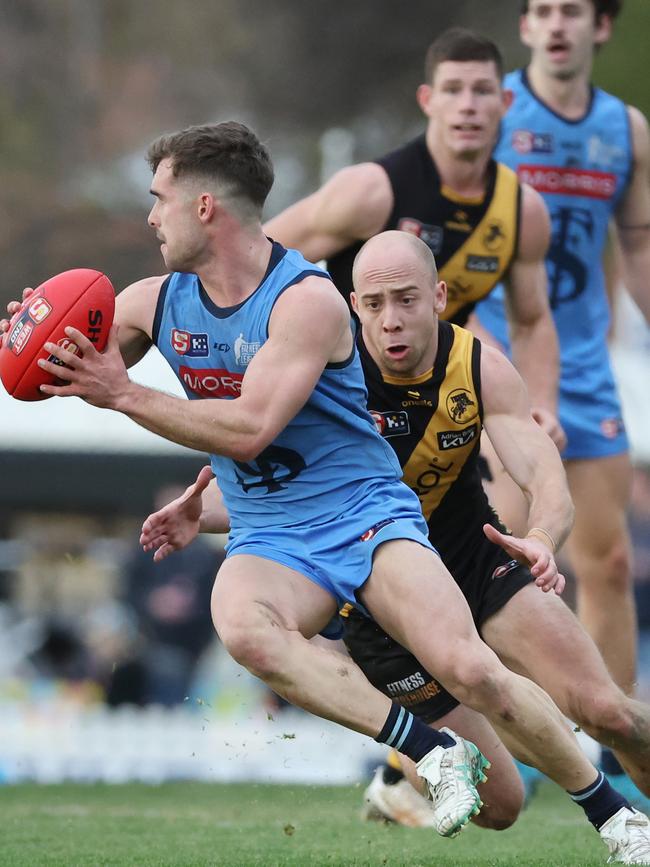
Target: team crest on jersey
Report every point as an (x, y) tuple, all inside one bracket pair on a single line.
[(456, 439), (245, 350), (526, 142), (190, 345), (372, 532), (391, 424), (494, 236), (460, 406), (431, 235)]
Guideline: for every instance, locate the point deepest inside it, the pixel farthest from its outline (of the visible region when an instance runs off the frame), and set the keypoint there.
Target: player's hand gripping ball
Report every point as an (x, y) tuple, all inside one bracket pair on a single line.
[(82, 298)]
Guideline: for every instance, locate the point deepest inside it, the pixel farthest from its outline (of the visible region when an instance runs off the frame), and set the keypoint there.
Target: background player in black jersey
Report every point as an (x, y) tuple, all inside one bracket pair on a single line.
[(431, 386), (478, 221)]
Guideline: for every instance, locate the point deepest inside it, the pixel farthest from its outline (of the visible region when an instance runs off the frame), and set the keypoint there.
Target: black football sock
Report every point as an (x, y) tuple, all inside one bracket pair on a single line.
[(410, 735), (600, 801)]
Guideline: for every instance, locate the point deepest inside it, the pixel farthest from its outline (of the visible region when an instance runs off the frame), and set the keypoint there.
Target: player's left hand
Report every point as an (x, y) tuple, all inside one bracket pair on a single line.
[(99, 378), (533, 553), (550, 424)]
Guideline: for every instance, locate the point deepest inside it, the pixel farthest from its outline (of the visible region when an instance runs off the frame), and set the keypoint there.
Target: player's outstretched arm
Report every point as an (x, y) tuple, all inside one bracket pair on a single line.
[(533, 462), (200, 509), (309, 327), (535, 348), (352, 206), (633, 217)]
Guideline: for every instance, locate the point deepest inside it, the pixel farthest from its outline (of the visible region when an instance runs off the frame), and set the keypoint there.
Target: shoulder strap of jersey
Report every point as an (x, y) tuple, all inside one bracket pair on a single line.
[(480, 263)]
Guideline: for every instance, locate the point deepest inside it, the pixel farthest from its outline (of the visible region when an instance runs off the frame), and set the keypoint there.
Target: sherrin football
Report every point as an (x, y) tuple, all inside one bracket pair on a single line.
[(82, 298)]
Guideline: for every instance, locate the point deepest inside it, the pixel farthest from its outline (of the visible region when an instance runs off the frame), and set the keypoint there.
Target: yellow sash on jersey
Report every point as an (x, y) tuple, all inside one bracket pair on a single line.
[(479, 264), (452, 433)]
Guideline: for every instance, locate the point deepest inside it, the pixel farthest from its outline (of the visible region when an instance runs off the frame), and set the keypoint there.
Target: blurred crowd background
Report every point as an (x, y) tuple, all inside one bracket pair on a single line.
[(86, 620)]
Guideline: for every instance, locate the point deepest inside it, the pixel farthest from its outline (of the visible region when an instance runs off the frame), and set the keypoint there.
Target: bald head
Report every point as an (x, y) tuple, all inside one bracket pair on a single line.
[(391, 254), (398, 297)]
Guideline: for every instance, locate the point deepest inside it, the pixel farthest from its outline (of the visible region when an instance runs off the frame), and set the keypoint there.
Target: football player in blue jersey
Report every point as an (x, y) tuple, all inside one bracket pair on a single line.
[(586, 153), (263, 345), (431, 387)]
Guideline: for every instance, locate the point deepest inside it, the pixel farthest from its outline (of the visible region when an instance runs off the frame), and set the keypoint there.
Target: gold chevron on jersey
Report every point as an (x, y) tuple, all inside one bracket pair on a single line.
[(481, 261), (453, 431)]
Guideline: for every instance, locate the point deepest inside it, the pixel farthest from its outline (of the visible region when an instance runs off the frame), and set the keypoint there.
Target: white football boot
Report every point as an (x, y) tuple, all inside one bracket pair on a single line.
[(627, 835), (452, 775), (398, 803)]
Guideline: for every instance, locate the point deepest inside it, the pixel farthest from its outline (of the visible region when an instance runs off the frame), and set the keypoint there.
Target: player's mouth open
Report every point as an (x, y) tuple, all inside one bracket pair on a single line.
[(397, 351), (558, 49)]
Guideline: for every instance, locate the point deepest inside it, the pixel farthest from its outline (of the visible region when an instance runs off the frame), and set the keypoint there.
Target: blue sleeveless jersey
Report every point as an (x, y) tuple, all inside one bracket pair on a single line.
[(581, 169), (325, 456)]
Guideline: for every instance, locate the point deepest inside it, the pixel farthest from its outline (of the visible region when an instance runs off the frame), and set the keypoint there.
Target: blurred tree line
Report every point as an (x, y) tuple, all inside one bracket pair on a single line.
[(86, 84)]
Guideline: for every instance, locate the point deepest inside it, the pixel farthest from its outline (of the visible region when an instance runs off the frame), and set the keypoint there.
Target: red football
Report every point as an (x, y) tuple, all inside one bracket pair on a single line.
[(82, 298)]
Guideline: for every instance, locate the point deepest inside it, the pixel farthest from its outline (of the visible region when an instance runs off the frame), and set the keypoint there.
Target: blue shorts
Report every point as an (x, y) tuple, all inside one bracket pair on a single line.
[(592, 420), (337, 554)]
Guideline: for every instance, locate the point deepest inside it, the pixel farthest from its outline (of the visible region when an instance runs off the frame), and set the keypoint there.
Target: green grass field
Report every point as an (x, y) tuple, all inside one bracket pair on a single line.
[(199, 824)]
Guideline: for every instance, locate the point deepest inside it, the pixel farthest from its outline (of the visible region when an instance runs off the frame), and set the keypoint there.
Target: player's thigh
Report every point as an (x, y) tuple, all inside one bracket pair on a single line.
[(252, 592), (537, 635), (411, 594), (600, 488)]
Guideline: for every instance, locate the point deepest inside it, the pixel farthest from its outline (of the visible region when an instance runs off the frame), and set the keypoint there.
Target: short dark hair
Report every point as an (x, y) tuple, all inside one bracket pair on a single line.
[(462, 45), (228, 152), (602, 7)]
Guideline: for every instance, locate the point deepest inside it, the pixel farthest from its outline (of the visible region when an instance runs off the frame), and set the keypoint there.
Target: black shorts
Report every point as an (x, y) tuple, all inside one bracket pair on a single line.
[(493, 580)]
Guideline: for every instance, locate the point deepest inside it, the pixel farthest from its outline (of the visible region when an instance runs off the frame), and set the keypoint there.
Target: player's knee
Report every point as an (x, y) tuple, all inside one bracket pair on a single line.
[(476, 682), (619, 566), (500, 813), (615, 572), (254, 641), (604, 714)]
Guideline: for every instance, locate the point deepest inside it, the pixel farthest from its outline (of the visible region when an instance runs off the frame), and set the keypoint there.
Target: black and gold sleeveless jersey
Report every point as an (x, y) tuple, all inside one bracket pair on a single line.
[(473, 240), (433, 422)]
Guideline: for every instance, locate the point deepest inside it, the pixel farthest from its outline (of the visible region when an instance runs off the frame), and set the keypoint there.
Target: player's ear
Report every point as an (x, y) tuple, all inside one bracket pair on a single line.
[(440, 297), (354, 302), (206, 207), (603, 29), (508, 97), (423, 96), (523, 30)]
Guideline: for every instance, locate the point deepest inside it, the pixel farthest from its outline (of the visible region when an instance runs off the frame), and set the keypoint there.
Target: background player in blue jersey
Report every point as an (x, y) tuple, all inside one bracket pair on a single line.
[(587, 153), (319, 515), (445, 187)]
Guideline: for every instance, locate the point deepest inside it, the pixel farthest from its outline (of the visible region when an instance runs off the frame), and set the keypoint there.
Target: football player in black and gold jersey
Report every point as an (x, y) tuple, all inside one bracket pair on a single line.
[(432, 387), (481, 224)]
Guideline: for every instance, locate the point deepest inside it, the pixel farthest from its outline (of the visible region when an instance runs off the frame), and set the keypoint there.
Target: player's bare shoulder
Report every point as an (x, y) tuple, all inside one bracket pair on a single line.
[(314, 313), (136, 304), (135, 310), (640, 135), (502, 389), (356, 201), (534, 226)]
